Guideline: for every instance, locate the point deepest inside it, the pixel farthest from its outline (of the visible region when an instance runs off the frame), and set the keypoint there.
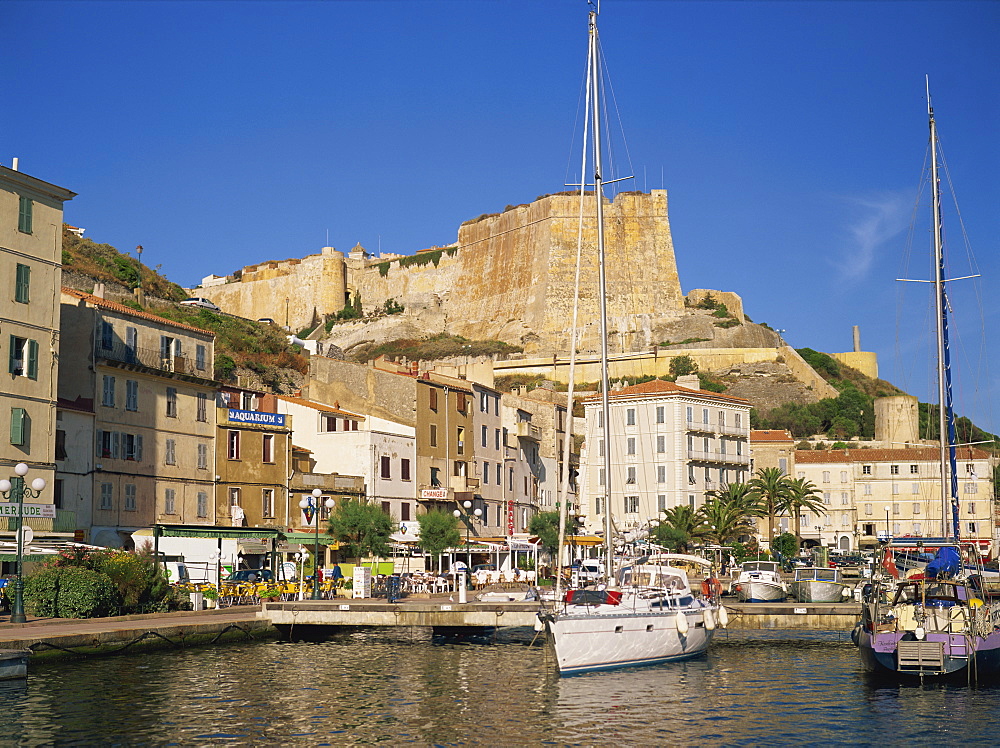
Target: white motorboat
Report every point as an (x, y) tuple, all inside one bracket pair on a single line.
[(649, 616), (759, 582), (814, 584)]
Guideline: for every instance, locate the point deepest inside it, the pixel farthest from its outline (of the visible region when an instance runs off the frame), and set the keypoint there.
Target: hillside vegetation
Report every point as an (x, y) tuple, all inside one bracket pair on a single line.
[(432, 348)]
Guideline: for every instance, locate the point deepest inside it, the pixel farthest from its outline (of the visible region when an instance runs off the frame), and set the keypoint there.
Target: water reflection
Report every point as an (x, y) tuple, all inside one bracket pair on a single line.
[(405, 687)]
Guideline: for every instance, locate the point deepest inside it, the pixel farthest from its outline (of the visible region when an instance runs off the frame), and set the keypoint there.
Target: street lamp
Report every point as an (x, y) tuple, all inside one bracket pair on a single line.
[(312, 503), (16, 491), (475, 516)]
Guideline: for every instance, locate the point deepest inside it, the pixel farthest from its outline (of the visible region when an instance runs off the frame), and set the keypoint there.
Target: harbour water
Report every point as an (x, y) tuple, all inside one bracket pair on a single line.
[(399, 688)]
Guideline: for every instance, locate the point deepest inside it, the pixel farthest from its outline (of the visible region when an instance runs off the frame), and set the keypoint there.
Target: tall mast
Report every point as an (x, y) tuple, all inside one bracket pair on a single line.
[(946, 417), (595, 103)]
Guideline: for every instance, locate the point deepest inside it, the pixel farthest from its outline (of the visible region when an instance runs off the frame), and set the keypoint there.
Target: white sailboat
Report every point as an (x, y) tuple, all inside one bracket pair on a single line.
[(647, 612)]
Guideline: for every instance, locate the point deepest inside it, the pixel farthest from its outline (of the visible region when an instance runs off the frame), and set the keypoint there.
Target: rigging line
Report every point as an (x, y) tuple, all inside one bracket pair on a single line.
[(582, 96), (614, 101)]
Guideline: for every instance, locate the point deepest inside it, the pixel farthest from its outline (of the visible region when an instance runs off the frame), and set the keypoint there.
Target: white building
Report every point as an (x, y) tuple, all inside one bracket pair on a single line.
[(382, 451), (669, 445)]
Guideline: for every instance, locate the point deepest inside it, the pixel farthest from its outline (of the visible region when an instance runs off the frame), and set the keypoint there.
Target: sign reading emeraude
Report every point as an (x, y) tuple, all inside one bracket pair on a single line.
[(252, 416), (29, 510)]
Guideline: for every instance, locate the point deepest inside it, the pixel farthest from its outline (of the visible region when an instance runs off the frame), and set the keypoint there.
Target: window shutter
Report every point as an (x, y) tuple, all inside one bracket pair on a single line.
[(177, 348), (164, 346), (32, 359), (115, 438), (22, 284), (138, 448), (17, 426), (99, 441), (12, 368)]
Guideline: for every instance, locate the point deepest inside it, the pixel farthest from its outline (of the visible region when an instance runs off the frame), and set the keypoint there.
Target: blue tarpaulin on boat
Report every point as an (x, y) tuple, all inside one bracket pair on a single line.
[(947, 563)]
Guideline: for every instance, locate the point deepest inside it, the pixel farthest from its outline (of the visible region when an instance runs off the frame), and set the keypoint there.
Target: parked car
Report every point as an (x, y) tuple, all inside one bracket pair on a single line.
[(251, 575), (266, 321), (201, 302)]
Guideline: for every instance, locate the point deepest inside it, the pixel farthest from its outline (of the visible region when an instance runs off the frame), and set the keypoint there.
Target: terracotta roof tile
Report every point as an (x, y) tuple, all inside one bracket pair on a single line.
[(770, 435), (661, 387), (114, 306), (922, 454), (319, 406)]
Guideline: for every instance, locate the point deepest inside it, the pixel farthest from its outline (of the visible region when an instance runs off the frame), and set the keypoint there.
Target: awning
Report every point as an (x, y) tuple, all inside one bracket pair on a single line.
[(584, 540), (309, 538), (212, 531)]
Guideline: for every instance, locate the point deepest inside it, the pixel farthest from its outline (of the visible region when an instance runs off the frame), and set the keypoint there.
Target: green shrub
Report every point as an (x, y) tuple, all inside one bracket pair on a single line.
[(225, 367), (70, 592)]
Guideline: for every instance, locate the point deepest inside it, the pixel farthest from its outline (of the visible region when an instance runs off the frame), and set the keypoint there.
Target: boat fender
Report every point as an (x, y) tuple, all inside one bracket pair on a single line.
[(539, 624), (846, 592), (681, 622), (723, 617), (919, 633), (709, 620)]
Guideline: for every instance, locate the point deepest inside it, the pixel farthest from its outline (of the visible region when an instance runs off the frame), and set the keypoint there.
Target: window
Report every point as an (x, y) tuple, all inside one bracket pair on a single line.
[(600, 477), (843, 498), (386, 471), (248, 399), (661, 444), (895, 508), (661, 414), (894, 470), (661, 473), (199, 357), (739, 447), (895, 528), (170, 452), (868, 489), (599, 505), (202, 407), (866, 469), (722, 418), (131, 395), (869, 528), (916, 528), (171, 402), (868, 508), (630, 416), (23, 357), (499, 473), (843, 476), (235, 497), (704, 415), (106, 495), (826, 497), (108, 396), (267, 448), (691, 500), (738, 420), (19, 427), (972, 488), (404, 469), (130, 497), (132, 447), (845, 520), (970, 469), (61, 453), (630, 474), (484, 404), (203, 457), (661, 502), (895, 489), (24, 211), (169, 503), (234, 445), (107, 336), (267, 502), (783, 465), (202, 504), (631, 504), (462, 402), (486, 472), (690, 414), (691, 478), (722, 446), (826, 476), (327, 423), (485, 436), (916, 508), (22, 283), (404, 512), (914, 469), (600, 448), (914, 488), (131, 338), (436, 476), (630, 445), (434, 434), (460, 438), (107, 444), (496, 438)]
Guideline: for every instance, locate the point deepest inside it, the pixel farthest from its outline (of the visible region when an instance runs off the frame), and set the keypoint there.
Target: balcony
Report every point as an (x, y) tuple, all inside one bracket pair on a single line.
[(700, 427), (527, 430), (733, 430), (152, 358), (718, 457), (463, 484)]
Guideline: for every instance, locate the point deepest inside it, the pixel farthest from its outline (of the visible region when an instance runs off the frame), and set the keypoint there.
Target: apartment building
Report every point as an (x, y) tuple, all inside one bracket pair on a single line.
[(444, 441), (669, 445), (31, 213), (867, 491), (253, 460), (380, 451), (489, 456), (149, 382)]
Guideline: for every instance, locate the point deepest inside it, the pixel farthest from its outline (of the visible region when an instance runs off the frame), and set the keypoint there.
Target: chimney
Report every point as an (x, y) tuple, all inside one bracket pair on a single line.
[(98, 290), (14, 167)]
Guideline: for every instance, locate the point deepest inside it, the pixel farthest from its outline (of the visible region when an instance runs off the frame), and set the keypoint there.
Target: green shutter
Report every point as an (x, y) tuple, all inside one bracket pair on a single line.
[(17, 419), (24, 216), (32, 367), (12, 366), (22, 283)]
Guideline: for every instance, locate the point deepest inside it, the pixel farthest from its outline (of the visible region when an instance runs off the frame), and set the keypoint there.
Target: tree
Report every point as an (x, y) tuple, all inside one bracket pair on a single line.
[(802, 496), (438, 531), (771, 486), (679, 528), (546, 526), (682, 365), (725, 522), (670, 537), (786, 545), (362, 529)]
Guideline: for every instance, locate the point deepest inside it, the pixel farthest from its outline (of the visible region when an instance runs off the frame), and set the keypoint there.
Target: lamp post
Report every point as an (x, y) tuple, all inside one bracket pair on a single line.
[(306, 503), (470, 517), (16, 491)]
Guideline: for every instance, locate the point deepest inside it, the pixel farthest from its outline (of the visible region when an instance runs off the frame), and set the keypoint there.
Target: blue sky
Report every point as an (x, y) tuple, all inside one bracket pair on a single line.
[(790, 136)]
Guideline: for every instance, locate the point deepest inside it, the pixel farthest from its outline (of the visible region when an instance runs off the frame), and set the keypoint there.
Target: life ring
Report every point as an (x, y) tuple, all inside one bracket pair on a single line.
[(711, 587)]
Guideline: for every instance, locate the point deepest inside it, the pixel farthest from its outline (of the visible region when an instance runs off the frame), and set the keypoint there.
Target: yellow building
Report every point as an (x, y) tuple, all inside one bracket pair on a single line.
[(31, 214)]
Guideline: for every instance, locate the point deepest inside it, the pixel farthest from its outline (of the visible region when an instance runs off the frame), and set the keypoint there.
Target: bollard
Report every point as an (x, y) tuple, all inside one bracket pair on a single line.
[(462, 592)]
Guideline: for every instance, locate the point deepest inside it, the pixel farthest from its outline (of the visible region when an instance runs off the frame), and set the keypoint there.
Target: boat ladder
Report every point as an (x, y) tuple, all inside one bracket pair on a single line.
[(920, 657)]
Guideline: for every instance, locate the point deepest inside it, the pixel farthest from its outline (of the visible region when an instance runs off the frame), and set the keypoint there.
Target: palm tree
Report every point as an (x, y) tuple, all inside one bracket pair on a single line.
[(725, 521), (802, 496), (740, 496), (771, 486), (679, 527)]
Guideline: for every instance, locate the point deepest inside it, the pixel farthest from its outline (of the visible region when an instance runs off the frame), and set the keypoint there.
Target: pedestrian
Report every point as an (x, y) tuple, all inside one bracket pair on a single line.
[(338, 575)]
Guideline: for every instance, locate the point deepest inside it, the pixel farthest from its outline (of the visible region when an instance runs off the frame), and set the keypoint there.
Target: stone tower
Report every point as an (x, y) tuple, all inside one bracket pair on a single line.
[(897, 421)]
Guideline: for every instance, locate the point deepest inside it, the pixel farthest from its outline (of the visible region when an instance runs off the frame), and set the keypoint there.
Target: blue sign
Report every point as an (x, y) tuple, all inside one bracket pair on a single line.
[(252, 416)]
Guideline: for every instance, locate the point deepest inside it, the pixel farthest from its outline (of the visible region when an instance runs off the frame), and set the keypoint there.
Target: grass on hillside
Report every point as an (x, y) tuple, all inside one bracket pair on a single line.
[(433, 348)]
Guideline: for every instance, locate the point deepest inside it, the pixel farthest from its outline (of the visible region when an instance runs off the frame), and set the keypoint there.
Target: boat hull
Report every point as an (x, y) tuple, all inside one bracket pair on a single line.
[(609, 640), (759, 592), (815, 591), (944, 656)]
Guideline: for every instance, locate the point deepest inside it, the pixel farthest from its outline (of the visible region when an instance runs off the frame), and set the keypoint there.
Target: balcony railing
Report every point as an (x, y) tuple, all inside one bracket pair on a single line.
[(720, 457), (152, 358), (526, 430)]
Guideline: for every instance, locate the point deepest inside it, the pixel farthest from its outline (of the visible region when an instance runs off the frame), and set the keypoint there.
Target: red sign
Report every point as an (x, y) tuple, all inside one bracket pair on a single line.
[(510, 516)]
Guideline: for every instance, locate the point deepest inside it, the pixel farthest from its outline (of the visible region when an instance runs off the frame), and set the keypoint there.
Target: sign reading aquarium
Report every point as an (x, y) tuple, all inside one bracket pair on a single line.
[(252, 416)]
